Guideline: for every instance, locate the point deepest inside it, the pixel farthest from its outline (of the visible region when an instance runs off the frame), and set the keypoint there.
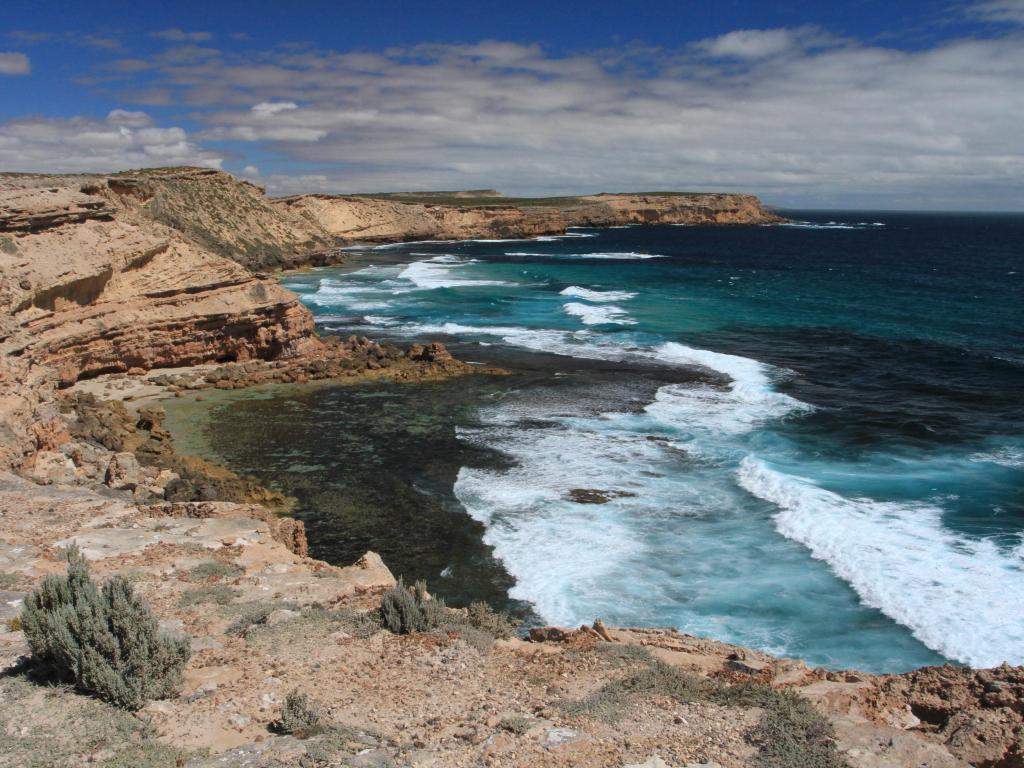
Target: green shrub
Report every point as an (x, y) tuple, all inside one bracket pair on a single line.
[(106, 641), (214, 569), (405, 611), (218, 594), (485, 618), (791, 732), (8, 580), (300, 716)]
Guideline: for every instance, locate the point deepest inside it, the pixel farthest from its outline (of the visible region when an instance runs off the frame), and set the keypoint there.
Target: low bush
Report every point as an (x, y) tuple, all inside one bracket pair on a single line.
[(485, 618), (791, 733), (405, 610), (105, 640), (217, 594), (254, 614), (408, 610), (300, 716), (214, 569)]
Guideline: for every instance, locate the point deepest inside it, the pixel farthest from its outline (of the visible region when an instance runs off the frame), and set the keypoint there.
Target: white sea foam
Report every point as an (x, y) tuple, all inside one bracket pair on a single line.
[(591, 295), (960, 596), (591, 315), (624, 255), (747, 401), (1006, 457), (829, 224), (546, 541), (439, 272), (357, 298)]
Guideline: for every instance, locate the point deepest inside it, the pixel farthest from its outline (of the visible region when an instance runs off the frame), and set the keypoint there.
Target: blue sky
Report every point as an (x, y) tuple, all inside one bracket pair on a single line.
[(842, 104)]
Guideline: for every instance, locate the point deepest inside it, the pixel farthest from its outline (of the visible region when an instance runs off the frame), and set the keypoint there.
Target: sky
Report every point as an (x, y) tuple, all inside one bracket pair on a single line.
[(843, 104)]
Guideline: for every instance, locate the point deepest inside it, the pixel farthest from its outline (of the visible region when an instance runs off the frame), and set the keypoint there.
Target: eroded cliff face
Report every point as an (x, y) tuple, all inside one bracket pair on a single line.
[(93, 283), (392, 218)]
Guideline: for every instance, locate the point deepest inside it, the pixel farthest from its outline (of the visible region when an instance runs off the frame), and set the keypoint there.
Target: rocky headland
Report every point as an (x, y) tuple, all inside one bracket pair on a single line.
[(119, 290)]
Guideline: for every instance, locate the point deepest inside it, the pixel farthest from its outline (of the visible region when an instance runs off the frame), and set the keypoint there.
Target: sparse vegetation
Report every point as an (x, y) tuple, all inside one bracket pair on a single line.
[(214, 569), (8, 580), (45, 726), (254, 614), (483, 617), (516, 724), (405, 610), (104, 640), (409, 610), (300, 716), (218, 594), (790, 734)]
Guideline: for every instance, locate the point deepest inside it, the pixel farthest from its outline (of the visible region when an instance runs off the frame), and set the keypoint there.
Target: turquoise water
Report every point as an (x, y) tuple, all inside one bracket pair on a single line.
[(830, 466)]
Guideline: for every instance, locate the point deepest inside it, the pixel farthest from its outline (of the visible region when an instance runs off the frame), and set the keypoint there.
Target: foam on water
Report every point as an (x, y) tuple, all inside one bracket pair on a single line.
[(616, 255), (748, 400), (592, 295), (439, 272), (1007, 456), (958, 595), (331, 293), (591, 315)]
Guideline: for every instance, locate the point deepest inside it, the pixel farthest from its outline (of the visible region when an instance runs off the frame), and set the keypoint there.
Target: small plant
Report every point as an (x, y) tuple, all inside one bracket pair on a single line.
[(105, 640), (300, 716), (8, 580), (217, 594), (516, 724), (214, 569), (405, 611), (254, 614), (485, 618)]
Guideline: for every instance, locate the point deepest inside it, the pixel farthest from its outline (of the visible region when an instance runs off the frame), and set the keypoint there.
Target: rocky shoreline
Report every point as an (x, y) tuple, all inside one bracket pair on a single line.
[(121, 290)]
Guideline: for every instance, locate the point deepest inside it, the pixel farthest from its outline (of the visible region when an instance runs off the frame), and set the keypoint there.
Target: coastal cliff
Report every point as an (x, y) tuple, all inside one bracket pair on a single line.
[(120, 289), (445, 216)]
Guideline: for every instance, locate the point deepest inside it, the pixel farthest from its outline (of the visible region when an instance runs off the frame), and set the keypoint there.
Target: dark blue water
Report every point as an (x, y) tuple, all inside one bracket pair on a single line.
[(837, 472)]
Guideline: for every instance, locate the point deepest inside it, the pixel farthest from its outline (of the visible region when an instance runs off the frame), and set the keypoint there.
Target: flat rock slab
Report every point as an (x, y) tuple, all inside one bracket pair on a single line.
[(17, 557), (211, 533), (10, 604), (272, 753)]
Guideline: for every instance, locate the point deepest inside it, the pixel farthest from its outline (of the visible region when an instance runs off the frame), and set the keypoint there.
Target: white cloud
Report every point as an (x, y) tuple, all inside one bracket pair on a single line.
[(251, 170), (1007, 11), (130, 119), (756, 43), (797, 116), (272, 108), (175, 35), (78, 144), (14, 64)]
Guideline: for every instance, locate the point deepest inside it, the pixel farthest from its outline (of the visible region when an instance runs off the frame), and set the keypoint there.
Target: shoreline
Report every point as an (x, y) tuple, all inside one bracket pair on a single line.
[(136, 298)]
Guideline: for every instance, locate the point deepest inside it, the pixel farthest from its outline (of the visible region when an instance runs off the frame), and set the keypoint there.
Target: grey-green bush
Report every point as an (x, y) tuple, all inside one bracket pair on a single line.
[(105, 640), (300, 716), (405, 611)]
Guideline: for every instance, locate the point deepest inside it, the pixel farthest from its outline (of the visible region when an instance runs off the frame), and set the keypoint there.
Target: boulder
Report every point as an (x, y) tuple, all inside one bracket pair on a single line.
[(51, 467), (123, 471)]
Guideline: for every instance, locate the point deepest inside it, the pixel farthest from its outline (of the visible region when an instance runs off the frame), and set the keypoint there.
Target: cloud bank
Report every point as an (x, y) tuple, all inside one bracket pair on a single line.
[(124, 139), (796, 115), (14, 64)]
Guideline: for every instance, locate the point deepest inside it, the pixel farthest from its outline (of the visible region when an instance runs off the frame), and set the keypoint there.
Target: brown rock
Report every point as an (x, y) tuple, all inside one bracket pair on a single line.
[(550, 634)]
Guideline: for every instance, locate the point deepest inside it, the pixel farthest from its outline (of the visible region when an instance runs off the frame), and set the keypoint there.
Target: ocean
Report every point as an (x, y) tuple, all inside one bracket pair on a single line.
[(805, 438)]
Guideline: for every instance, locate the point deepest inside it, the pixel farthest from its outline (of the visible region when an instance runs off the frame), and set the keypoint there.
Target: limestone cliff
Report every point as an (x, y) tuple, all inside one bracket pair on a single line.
[(447, 216), (93, 282)]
